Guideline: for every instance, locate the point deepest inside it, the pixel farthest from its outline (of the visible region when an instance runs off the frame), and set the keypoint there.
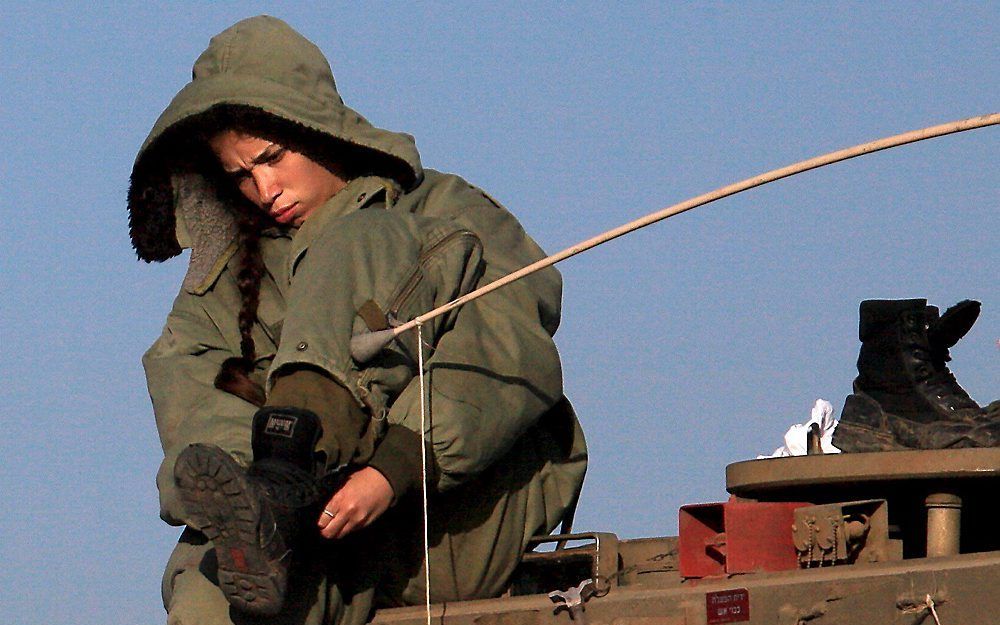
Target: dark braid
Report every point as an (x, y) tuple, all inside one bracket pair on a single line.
[(346, 160), (234, 375)]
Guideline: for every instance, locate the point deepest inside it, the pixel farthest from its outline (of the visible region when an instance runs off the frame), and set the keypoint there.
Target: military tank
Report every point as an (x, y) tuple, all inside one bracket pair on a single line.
[(890, 537), (901, 537)]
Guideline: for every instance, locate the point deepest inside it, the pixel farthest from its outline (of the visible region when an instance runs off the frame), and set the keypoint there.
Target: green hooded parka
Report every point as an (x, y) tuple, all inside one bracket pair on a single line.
[(508, 456)]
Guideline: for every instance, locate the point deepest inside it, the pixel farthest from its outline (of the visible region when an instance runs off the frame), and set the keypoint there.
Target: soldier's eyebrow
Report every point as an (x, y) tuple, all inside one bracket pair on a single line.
[(269, 154)]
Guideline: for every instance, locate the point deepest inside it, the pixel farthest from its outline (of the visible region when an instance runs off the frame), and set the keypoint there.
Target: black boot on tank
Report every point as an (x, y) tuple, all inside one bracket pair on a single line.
[(905, 397)]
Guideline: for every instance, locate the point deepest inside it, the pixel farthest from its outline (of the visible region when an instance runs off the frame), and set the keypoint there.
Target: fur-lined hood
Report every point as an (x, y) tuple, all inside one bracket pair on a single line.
[(263, 64)]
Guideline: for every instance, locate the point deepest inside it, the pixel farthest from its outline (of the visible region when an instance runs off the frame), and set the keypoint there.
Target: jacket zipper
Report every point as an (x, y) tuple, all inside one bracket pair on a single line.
[(411, 284), (417, 275)]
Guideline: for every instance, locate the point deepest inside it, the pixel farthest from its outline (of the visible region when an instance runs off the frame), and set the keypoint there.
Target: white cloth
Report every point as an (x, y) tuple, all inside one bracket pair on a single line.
[(796, 436)]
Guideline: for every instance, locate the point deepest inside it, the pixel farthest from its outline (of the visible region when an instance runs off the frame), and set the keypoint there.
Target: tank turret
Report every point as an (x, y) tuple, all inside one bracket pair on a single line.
[(886, 537)]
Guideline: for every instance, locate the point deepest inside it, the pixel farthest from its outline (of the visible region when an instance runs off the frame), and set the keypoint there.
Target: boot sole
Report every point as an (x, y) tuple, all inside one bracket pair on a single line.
[(220, 500)]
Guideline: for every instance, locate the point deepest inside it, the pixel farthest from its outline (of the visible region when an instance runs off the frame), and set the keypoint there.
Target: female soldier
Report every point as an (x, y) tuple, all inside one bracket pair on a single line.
[(307, 226)]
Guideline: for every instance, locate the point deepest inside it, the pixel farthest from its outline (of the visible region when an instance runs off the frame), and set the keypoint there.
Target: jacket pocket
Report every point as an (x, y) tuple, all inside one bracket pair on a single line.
[(449, 265), (462, 245)]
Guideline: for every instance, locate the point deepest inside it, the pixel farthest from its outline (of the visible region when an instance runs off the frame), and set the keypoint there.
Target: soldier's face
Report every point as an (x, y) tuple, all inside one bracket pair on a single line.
[(285, 184)]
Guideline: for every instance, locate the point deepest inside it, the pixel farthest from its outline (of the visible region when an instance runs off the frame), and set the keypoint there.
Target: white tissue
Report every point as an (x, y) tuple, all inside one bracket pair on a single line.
[(796, 436)]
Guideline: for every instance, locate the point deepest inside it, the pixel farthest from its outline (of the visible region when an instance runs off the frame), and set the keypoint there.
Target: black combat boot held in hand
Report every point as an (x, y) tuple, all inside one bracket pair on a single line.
[(256, 516), (304, 439)]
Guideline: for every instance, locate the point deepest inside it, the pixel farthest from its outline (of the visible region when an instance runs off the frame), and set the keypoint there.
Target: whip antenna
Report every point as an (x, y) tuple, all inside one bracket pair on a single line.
[(365, 346)]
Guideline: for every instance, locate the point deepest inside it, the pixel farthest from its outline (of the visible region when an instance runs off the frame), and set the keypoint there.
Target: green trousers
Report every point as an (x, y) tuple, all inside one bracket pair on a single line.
[(478, 532)]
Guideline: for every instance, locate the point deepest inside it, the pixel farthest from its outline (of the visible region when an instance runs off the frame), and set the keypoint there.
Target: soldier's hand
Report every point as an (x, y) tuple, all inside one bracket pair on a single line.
[(362, 498)]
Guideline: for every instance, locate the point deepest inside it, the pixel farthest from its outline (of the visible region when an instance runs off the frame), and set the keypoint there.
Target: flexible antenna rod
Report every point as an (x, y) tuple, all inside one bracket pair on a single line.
[(365, 346)]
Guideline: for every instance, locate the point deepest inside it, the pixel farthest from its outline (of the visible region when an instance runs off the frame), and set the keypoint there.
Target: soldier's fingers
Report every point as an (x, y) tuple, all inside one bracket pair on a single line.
[(325, 517), (347, 528), (334, 527)]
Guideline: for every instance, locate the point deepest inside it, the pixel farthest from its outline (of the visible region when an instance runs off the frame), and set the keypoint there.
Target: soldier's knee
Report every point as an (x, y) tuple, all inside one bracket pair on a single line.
[(189, 593)]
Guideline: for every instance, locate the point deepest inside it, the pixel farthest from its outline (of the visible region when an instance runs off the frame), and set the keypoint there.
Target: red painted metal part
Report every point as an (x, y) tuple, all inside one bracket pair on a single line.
[(736, 537)]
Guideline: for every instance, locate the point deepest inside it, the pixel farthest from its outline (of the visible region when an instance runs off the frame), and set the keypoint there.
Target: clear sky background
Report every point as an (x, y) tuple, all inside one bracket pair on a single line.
[(690, 345)]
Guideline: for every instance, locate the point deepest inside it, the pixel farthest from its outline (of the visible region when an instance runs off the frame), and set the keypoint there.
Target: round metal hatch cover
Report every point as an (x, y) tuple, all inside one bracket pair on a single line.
[(751, 478)]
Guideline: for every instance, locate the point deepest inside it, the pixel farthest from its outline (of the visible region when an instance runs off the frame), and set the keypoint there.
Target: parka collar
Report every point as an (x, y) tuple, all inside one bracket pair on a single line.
[(263, 64)]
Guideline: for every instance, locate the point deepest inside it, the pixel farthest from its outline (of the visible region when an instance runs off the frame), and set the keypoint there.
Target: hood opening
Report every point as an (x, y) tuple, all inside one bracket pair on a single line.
[(182, 147)]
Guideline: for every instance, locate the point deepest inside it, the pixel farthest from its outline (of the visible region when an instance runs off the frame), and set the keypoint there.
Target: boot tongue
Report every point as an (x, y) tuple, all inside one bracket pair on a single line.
[(287, 434), (942, 333), (955, 323)]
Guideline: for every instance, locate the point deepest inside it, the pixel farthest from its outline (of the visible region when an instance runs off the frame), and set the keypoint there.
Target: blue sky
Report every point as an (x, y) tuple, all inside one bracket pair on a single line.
[(689, 345)]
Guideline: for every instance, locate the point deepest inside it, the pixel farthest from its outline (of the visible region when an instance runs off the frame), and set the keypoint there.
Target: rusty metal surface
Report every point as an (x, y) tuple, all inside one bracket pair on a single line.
[(649, 561), (588, 555), (960, 588), (944, 516), (751, 478), (872, 564), (852, 532)]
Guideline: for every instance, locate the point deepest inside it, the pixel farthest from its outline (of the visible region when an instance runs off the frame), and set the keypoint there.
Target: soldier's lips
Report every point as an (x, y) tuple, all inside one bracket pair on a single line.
[(285, 214)]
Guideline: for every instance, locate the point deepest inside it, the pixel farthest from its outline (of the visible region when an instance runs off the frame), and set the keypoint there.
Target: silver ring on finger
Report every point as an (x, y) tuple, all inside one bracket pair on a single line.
[(327, 513)]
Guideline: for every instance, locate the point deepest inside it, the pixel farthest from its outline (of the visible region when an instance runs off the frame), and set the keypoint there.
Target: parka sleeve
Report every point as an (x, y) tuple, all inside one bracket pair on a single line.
[(490, 379), (496, 371), (180, 370)]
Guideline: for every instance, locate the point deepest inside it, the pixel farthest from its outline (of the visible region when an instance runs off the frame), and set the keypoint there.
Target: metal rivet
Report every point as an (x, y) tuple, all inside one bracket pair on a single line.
[(303, 346)]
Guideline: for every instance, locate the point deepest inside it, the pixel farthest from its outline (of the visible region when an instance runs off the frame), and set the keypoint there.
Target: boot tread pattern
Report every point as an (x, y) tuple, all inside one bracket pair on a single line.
[(221, 501)]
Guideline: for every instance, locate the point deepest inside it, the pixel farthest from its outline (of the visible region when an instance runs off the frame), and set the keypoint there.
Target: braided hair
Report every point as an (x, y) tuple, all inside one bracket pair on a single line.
[(234, 375)]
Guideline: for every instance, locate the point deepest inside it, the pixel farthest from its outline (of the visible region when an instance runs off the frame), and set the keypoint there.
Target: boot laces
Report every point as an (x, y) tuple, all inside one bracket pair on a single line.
[(930, 368), (945, 387)]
